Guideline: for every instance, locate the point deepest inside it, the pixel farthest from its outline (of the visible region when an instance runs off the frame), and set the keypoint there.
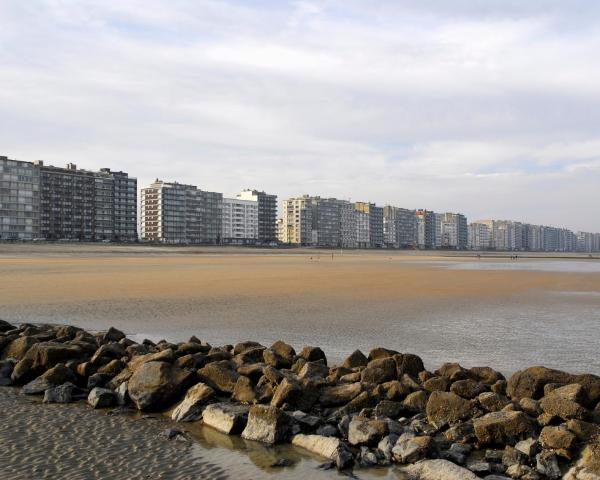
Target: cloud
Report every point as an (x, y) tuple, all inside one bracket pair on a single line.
[(489, 108)]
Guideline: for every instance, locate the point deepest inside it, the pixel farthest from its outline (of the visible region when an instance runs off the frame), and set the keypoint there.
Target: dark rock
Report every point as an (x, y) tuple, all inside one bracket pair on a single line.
[(6, 369), (559, 439), (191, 348), (102, 398), (108, 351), (547, 464), (54, 377), (388, 408), (312, 354), (444, 408), (282, 462), (283, 350), (253, 371), (42, 356), (365, 431), (301, 395), (340, 394), (355, 359), (244, 390), (267, 424), (272, 358), (380, 352), (467, 388), (245, 346), (5, 326), (452, 371), (156, 385), (530, 406), (436, 384), (409, 448), (485, 375), (492, 402), (561, 404), (17, 348), (394, 390), (415, 402), (111, 335), (60, 394), (314, 370), (220, 376), (379, 370), (584, 431), (502, 427), (408, 364)]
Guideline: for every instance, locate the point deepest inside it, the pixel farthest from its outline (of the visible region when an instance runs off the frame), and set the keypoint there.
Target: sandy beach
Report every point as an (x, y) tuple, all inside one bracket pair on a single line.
[(451, 307)]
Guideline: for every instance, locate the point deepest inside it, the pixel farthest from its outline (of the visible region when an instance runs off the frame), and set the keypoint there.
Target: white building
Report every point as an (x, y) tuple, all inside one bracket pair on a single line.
[(240, 221), (479, 236)]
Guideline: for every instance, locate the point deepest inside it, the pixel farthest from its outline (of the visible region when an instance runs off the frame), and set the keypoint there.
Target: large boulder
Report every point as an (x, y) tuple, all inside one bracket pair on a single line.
[(485, 375), (314, 370), (327, 447), (226, 417), (467, 388), (5, 326), (191, 406), (446, 408), (111, 335), (563, 402), (312, 354), (155, 385), (54, 377), (244, 391), (61, 394), (530, 383), (437, 470), (408, 364), (409, 448), (267, 424), (340, 394), (42, 356), (219, 375), (364, 431), (102, 398), (415, 402), (300, 395), (355, 359), (18, 348), (504, 427), (559, 439), (379, 370), (6, 369)]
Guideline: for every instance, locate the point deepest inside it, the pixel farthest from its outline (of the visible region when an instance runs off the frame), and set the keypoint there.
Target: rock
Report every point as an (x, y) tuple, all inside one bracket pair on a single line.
[(102, 398), (410, 448), (42, 356), (196, 398), (527, 447), (18, 348), (54, 377), (122, 394), (253, 355), (350, 377), (5, 326), (512, 456), (521, 471), (437, 470), (312, 354), (244, 391), (191, 348), (444, 408), (457, 453), (588, 466), (111, 335), (467, 388), (530, 406), (108, 351), (355, 359), (6, 369), (561, 406), (380, 352), (408, 364), (379, 370), (225, 417), (436, 384), (326, 447), (485, 375), (284, 350), (415, 402), (243, 347), (530, 383), (389, 409), (340, 394), (300, 395), (502, 427), (461, 432), (394, 390), (61, 394), (558, 439), (479, 467), (364, 431), (112, 368), (282, 462), (362, 401), (314, 370), (97, 380), (220, 376), (327, 430), (155, 385), (275, 360), (547, 464), (452, 371), (492, 402), (253, 371), (267, 424), (584, 431)]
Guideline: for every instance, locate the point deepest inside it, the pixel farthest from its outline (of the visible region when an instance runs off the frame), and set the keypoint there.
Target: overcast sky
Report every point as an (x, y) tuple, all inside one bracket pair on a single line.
[(490, 108)]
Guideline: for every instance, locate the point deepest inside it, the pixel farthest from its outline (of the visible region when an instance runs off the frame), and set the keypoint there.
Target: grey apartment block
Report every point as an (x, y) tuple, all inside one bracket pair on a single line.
[(175, 213), (326, 222), (426, 229), (267, 213), (399, 227), (19, 200)]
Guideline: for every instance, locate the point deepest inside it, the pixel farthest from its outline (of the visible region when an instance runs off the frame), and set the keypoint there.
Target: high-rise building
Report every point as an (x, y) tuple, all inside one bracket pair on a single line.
[(267, 214), (399, 227), (240, 221), (348, 226), (452, 231), (426, 229), (84, 205), (19, 200), (375, 222), (178, 213), (296, 228), (479, 236)]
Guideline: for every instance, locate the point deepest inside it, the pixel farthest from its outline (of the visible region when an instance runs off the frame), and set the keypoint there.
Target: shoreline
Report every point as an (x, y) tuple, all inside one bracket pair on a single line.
[(384, 410)]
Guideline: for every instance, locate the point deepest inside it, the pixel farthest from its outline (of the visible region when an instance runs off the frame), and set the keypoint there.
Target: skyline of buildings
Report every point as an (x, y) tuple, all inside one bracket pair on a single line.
[(44, 202)]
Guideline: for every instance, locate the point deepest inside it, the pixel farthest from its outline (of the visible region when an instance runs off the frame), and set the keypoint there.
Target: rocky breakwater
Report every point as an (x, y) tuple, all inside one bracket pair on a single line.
[(383, 408)]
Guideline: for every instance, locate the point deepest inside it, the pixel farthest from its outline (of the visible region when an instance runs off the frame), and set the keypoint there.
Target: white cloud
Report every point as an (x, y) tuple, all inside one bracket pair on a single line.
[(482, 108)]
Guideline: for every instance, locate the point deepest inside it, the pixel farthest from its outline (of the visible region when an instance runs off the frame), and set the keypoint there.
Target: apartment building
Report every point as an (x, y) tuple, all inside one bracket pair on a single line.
[(426, 229), (399, 227), (478, 236), (19, 200), (451, 231), (267, 213), (348, 225), (240, 223), (296, 225), (180, 214), (375, 225)]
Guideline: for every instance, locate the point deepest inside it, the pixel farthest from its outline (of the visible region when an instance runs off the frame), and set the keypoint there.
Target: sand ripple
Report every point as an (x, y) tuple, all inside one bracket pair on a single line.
[(73, 442)]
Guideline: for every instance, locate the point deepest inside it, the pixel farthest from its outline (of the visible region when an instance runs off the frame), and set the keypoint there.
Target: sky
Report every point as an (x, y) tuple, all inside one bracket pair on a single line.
[(490, 108)]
